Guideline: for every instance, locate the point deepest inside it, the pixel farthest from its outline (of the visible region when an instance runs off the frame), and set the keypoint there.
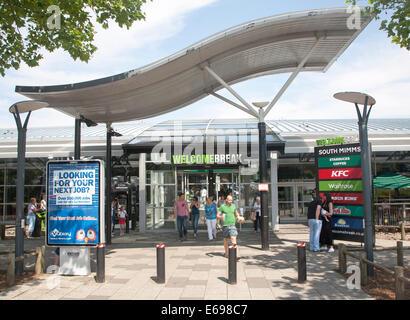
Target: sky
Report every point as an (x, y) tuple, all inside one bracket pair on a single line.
[(371, 64)]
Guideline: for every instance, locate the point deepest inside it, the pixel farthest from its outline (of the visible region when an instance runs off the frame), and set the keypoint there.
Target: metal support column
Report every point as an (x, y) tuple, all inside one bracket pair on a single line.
[(108, 165), (142, 192), (21, 159), (263, 178), (77, 139), (274, 191)]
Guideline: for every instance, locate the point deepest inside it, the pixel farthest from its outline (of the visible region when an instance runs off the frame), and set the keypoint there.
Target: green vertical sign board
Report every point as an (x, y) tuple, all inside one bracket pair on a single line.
[(336, 164)]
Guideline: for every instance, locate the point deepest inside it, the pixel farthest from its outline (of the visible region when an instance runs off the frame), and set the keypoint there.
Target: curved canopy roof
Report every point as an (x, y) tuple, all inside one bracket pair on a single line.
[(275, 44)]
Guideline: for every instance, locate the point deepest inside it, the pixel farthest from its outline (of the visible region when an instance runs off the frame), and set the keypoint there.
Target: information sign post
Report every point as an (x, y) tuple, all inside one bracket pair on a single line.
[(75, 206)]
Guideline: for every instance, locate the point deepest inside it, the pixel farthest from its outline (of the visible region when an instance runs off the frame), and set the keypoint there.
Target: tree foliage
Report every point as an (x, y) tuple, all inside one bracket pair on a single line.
[(397, 25), (29, 26)]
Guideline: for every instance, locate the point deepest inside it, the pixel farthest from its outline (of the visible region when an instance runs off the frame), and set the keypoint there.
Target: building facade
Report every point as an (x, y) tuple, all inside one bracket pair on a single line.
[(157, 161)]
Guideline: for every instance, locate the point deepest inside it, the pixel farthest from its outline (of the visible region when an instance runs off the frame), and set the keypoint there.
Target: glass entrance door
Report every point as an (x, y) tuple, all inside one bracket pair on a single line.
[(294, 199)]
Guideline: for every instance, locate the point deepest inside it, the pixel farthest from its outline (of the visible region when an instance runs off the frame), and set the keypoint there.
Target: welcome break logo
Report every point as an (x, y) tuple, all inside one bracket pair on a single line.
[(207, 146)]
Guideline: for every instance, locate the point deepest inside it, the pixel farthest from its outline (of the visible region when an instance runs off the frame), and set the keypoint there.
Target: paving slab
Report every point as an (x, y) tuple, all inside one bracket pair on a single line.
[(196, 269)]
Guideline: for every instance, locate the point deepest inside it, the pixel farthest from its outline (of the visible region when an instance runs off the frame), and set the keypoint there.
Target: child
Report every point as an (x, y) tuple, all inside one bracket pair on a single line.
[(121, 215)]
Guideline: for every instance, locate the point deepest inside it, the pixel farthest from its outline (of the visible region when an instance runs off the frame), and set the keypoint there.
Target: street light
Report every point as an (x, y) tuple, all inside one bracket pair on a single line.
[(263, 175), (364, 99)]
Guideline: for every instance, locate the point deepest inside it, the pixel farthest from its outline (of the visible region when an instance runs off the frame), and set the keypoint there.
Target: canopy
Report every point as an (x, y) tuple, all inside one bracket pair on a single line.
[(300, 41), (391, 180)]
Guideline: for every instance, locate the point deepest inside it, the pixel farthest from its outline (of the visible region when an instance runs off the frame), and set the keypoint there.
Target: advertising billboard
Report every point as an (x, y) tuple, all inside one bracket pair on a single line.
[(339, 172), (75, 203)]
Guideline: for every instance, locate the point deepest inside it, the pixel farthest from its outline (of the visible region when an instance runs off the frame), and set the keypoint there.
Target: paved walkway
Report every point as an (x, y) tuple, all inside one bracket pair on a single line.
[(196, 269)]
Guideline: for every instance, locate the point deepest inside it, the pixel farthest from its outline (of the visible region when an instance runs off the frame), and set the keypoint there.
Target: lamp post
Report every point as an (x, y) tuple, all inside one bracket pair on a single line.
[(263, 175), (364, 99)]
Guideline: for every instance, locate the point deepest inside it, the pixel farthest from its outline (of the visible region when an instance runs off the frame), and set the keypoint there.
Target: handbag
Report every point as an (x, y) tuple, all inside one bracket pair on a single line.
[(253, 215)]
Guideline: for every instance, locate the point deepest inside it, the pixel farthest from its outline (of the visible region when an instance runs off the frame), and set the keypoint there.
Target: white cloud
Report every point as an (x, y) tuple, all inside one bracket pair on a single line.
[(118, 51)]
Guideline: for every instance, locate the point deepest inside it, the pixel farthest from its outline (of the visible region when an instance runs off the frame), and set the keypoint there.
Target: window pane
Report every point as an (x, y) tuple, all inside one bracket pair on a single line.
[(11, 194), (2, 176), (248, 194), (33, 177), (285, 194), (288, 173), (1, 195), (33, 192), (11, 211), (11, 178)]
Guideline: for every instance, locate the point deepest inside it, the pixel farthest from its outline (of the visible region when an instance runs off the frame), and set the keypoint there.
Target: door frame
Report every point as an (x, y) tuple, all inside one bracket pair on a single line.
[(295, 185)]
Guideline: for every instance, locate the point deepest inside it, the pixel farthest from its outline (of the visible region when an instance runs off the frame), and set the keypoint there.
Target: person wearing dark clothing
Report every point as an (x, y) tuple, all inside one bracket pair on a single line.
[(315, 224), (326, 237)]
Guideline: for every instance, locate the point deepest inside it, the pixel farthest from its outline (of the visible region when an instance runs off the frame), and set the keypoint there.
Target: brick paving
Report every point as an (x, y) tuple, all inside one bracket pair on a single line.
[(196, 269)]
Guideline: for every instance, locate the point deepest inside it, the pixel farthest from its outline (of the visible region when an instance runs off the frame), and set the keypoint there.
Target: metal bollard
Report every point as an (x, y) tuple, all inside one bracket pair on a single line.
[(161, 263), (100, 278), (301, 248), (232, 265)]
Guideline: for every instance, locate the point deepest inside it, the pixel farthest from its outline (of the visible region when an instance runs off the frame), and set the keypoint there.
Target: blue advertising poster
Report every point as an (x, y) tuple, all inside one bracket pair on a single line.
[(74, 203)]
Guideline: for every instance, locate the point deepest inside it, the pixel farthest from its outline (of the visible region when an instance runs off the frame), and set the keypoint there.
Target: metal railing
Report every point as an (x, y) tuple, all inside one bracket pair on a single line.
[(398, 273), (391, 214)]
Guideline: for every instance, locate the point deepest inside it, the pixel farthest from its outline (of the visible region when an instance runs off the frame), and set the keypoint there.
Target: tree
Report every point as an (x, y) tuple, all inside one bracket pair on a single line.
[(29, 26), (398, 24)]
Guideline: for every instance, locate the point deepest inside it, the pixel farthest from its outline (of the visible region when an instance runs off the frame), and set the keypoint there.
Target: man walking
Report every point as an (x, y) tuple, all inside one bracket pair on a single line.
[(228, 214)]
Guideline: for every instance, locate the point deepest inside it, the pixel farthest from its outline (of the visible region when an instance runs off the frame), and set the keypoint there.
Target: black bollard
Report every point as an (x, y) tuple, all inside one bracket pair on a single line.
[(301, 262), (161, 263), (100, 278), (232, 265)]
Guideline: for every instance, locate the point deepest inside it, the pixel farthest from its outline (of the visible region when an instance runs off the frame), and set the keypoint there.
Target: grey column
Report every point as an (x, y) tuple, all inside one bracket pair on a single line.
[(21, 159), (274, 192), (142, 192)]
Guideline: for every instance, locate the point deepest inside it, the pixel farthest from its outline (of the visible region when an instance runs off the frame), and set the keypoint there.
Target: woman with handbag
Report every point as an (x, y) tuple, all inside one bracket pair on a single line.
[(256, 214)]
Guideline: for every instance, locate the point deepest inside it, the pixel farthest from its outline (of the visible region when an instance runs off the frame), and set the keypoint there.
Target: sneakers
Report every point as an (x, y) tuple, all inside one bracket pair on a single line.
[(331, 250), (323, 248)]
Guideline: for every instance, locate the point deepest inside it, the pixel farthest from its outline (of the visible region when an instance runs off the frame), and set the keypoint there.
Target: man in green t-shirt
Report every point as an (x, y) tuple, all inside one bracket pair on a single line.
[(227, 213)]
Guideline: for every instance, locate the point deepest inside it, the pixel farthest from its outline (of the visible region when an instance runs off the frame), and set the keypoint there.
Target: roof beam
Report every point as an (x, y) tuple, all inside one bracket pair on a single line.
[(232, 91), (292, 76), (231, 102)]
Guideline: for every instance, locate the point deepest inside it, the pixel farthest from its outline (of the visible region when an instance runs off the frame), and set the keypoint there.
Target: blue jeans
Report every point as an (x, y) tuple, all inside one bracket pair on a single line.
[(315, 228), (194, 220), (182, 225)]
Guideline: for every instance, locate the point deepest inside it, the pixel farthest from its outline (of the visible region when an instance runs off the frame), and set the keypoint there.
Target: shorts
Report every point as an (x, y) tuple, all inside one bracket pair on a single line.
[(31, 220), (122, 221), (229, 231)]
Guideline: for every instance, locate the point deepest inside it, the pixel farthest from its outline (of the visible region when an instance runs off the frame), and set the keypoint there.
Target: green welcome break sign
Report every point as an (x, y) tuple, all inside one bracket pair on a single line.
[(206, 158)]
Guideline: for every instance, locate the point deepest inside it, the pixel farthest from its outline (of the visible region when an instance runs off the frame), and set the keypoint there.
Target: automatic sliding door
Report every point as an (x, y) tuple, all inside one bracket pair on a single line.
[(286, 201)]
